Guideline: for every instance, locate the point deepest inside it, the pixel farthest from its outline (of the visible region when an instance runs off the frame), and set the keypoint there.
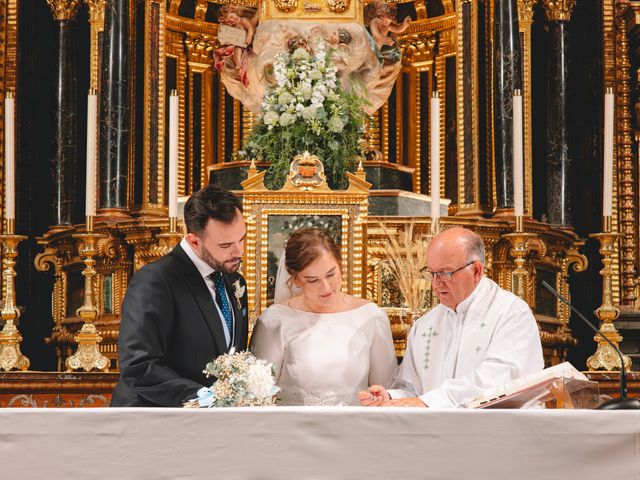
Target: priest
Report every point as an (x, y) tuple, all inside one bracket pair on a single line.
[(479, 336)]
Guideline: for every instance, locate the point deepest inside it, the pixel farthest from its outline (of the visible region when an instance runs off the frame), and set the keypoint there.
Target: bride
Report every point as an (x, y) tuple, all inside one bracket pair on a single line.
[(325, 345)]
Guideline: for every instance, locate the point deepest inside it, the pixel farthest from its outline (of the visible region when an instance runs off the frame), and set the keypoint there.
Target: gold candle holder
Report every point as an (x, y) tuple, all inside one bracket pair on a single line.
[(88, 356), (10, 356), (435, 226), (519, 240), (605, 357), (170, 239)]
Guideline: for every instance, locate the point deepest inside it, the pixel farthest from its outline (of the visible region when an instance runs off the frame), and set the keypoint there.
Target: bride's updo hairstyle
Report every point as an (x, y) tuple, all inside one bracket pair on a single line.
[(305, 246)]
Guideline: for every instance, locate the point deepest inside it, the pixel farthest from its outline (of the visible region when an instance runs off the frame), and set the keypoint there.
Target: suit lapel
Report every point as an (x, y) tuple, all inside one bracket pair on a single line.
[(202, 297)]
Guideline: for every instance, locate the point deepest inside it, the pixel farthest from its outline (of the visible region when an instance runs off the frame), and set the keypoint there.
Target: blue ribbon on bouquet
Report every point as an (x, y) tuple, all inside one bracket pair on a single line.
[(205, 397)]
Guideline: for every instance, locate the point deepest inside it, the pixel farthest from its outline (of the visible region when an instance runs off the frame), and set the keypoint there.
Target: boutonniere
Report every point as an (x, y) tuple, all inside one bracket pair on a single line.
[(238, 292)]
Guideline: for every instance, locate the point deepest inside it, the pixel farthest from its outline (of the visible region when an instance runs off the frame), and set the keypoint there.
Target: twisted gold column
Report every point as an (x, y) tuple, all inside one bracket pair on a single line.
[(88, 356), (10, 356)]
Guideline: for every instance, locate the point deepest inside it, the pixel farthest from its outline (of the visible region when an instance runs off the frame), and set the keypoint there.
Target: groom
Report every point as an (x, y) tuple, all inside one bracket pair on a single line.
[(186, 309)]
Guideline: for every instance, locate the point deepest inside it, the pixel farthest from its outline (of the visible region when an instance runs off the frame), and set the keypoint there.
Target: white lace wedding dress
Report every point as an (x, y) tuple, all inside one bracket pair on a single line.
[(325, 358)]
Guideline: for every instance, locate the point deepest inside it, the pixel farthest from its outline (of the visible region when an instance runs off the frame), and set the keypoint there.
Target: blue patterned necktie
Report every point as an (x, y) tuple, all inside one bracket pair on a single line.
[(222, 300)]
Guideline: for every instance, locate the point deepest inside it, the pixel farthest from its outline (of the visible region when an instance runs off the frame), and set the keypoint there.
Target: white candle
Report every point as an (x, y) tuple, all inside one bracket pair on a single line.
[(435, 156), (9, 157), (92, 134), (607, 186), (518, 177), (173, 154)]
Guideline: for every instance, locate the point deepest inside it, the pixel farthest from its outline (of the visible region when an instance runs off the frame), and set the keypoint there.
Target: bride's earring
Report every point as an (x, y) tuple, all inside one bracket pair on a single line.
[(296, 289)]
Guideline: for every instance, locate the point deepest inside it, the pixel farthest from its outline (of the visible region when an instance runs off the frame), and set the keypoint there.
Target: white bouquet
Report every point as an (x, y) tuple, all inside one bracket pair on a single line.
[(241, 381)]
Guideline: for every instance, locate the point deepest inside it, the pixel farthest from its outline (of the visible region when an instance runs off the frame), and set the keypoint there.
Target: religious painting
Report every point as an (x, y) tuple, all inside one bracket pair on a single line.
[(281, 227)]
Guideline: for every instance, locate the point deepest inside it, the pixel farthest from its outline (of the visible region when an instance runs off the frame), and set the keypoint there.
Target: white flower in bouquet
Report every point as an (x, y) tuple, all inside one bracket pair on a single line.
[(286, 118), (335, 124), (271, 118)]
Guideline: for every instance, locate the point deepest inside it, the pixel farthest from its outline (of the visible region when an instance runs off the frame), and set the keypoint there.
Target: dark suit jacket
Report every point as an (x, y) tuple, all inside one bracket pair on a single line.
[(170, 329)]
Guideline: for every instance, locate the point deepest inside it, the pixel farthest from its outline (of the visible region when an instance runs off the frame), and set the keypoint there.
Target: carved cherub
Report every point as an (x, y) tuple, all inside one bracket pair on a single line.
[(232, 16), (383, 26)]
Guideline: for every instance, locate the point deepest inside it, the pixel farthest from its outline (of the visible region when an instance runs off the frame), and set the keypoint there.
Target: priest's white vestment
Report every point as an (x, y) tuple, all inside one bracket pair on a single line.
[(453, 356)]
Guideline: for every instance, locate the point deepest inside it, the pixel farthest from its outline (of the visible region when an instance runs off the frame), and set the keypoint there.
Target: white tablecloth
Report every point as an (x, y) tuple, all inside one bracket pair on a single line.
[(318, 443)]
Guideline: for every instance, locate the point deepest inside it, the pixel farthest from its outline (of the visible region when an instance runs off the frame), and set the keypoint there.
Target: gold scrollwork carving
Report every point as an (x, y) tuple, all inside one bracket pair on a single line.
[(63, 9), (338, 6), (286, 6), (558, 10), (200, 48)]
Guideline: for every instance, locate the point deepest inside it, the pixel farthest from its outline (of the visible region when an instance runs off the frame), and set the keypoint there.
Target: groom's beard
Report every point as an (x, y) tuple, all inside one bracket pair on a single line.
[(229, 266)]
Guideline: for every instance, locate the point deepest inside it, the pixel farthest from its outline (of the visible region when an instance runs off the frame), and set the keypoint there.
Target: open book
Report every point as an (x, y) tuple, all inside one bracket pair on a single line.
[(558, 383)]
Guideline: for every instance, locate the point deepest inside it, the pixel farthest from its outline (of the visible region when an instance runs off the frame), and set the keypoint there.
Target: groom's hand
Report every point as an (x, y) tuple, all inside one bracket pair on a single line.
[(374, 396)]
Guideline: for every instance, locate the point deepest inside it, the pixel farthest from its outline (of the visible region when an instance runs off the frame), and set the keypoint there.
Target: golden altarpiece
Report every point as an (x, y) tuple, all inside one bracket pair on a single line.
[(449, 48)]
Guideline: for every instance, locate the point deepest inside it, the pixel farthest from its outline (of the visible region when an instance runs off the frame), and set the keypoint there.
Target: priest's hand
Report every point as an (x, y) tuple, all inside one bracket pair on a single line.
[(403, 402), (374, 396)]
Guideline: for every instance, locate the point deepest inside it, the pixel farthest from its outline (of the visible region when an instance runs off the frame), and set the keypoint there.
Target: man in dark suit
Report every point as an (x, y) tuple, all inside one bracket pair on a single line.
[(184, 310)]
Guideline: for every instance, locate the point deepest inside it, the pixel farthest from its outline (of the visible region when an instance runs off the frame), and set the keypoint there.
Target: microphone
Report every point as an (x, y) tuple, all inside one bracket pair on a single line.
[(622, 403)]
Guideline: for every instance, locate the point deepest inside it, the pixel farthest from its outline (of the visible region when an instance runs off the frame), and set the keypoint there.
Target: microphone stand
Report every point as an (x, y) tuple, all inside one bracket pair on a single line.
[(622, 403)]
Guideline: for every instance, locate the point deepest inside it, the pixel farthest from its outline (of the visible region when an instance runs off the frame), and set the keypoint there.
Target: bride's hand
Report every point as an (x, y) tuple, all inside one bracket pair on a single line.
[(374, 396)]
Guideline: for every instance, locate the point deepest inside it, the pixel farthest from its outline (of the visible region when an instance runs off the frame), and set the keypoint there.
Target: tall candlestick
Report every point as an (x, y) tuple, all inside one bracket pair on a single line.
[(173, 154), (435, 156), (607, 185), (9, 157), (518, 177), (92, 135)]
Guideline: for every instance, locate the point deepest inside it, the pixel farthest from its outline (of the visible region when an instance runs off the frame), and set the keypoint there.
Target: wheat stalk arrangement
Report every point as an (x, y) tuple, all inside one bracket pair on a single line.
[(407, 257)]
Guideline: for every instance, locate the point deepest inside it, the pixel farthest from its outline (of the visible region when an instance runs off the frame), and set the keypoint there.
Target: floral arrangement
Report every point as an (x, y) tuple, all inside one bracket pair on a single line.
[(306, 109), (242, 381)]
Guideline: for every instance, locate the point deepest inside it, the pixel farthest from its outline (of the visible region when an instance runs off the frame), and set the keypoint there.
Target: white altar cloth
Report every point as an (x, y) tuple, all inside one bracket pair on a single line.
[(318, 443)]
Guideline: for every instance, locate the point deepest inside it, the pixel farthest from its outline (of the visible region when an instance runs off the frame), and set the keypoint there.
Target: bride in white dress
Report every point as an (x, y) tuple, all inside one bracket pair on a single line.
[(324, 344)]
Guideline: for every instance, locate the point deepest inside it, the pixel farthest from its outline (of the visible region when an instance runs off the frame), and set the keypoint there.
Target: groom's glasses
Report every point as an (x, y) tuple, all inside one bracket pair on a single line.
[(443, 276)]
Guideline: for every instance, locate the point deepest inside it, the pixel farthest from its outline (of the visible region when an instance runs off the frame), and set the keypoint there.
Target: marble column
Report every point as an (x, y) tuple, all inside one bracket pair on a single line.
[(114, 109), (558, 12), (64, 161), (507, 66)]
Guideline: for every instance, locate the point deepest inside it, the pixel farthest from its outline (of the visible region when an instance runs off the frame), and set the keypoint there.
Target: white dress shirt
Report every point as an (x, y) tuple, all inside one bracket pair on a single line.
[(206, 270), (452, 356)]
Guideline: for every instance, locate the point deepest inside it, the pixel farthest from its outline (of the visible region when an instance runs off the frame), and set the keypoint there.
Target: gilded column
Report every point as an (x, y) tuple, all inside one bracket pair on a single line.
[(96, 20), (627, 182), (467, 109), (614, 45), (64, 162), (525, 19), (507, 77), (200, 77), (114, 109), (558, 13)]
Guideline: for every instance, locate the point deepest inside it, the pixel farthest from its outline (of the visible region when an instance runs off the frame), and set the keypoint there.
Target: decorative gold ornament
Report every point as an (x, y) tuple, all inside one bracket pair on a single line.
[(558, 10), (307, 172), (519, 241), (338, 6), (10, 356), (88, 356), (605, 357), (169, 240), (63, 9), (286, 6)]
